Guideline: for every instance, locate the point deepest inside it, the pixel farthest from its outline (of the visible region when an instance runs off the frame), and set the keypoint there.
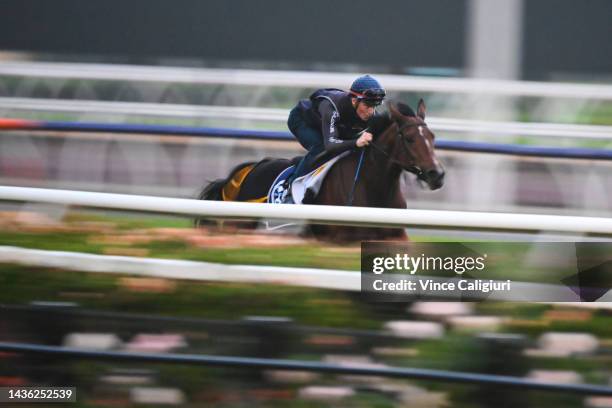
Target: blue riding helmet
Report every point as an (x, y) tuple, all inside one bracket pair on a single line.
[(367, 89)]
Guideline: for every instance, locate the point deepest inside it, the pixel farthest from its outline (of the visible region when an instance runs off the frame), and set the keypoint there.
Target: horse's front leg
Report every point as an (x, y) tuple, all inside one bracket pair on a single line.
[(395, 234)]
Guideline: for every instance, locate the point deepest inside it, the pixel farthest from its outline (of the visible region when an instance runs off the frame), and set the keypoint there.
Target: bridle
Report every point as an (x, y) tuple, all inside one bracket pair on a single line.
[(412, 169)]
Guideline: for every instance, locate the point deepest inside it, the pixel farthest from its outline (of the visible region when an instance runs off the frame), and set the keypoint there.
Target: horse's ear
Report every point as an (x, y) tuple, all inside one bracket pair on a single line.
[(394, 114), (421, 109)]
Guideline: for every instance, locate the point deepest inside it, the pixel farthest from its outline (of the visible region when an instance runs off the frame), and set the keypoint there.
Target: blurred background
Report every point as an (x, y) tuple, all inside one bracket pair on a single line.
[(80, 84)]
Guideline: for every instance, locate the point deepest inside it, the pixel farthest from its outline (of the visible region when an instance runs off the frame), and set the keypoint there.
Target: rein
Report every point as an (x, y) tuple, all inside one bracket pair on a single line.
[(357, 172)]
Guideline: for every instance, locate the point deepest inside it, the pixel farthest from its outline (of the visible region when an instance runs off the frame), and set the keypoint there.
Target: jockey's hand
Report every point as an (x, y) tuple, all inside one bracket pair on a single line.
[(364, 139)]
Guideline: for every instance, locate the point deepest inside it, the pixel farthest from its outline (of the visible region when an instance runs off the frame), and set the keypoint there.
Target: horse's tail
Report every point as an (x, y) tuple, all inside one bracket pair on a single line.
[(214, 190)]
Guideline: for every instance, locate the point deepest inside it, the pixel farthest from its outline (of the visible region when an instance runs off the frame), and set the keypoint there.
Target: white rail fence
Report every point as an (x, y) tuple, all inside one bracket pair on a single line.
[(375, 217), (280, 115), (302, 79), (331, 279), (181, 269)]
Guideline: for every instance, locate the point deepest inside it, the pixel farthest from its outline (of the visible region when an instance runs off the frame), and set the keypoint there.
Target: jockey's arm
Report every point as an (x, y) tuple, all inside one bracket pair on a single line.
[(378, 123), (331, 139)]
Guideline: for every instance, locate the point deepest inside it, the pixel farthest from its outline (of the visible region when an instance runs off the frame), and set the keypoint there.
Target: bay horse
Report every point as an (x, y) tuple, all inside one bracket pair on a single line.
[(405, 144)]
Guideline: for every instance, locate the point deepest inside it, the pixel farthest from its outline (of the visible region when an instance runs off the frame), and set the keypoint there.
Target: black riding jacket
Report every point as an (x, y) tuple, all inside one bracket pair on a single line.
[(331, 111)]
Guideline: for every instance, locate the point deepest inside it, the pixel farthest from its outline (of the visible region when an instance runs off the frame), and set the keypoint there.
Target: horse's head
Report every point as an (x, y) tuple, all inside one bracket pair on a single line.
[(413, 144)]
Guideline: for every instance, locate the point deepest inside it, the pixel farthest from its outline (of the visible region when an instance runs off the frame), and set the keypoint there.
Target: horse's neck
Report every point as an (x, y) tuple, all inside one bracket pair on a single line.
[(381, 174)]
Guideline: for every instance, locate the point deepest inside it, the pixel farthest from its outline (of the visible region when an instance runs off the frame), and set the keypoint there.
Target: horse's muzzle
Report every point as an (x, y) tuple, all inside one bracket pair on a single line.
[(434, 178)]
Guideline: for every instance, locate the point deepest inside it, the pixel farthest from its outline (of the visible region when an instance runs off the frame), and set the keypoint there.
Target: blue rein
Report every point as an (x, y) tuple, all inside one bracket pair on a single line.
[(350, 199)]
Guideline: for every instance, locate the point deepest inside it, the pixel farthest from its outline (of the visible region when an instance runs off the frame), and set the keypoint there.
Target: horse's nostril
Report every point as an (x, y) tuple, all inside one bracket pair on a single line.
[(434, 174)]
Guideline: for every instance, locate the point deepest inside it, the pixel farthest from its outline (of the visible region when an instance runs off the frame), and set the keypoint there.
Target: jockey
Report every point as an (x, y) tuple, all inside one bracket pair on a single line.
[(335, 121)]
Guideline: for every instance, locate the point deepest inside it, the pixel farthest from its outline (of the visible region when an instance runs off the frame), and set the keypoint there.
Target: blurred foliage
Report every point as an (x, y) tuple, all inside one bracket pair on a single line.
[(187, 298)]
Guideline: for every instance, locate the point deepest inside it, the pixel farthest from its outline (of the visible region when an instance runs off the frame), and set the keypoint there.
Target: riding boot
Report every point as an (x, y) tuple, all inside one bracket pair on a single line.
[(300, 169)]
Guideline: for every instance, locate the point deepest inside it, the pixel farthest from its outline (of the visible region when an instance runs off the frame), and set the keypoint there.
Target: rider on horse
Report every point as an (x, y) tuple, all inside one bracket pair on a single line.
[(335, 121)]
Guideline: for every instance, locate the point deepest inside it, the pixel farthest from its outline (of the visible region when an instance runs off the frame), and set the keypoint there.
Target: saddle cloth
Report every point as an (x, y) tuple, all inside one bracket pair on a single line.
[(311, 181)]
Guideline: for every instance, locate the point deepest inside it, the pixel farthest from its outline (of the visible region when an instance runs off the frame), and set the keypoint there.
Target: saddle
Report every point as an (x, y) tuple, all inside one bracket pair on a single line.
[(303, 189)]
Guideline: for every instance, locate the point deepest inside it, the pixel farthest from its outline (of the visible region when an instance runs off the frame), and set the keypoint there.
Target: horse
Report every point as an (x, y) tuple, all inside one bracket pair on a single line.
[(405, 144)]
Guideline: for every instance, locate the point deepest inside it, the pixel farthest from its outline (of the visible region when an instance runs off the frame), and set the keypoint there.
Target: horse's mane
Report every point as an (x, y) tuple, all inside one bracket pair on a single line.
[(380, 122), (405, 109)]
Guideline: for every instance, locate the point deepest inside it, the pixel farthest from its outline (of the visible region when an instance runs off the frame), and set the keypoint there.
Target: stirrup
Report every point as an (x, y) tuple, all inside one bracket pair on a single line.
[(288, 199)]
